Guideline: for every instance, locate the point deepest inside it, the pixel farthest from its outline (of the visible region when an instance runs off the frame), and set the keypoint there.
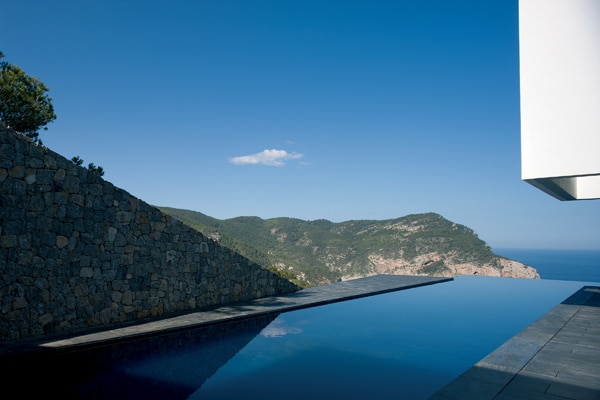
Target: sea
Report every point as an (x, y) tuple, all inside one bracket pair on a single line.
[(563, 265)]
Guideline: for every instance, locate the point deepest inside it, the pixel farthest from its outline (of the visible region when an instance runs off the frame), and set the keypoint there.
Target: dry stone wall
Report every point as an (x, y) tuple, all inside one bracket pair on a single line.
[(77, 252)]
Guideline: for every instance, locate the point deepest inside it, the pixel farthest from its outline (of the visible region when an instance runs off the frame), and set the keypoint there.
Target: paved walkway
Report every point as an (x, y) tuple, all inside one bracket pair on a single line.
[(310, 297), (557, 357)]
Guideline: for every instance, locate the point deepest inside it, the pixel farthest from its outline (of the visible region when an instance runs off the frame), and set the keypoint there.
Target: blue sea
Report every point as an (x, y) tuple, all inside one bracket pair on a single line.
[(563, 265)]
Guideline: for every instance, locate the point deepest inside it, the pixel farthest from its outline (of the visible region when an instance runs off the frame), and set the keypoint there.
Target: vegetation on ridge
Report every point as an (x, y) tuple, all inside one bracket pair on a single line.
[(24, 104), (98, 170), (26, 108), (323, 252)]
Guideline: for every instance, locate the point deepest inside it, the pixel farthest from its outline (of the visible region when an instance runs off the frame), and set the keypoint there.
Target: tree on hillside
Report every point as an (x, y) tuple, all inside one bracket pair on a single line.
[(94, 169), (24, 104)]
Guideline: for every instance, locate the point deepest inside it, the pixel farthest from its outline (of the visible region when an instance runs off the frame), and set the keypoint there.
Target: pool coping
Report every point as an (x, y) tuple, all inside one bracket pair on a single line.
[(309, 297), (557, 356)]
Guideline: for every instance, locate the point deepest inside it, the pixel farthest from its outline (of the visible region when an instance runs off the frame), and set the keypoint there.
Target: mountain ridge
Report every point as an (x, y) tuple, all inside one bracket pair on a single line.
[(320, 251)]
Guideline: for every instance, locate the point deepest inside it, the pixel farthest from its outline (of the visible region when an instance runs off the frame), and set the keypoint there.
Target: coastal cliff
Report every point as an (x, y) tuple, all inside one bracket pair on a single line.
[(447, 266), (321, 251)]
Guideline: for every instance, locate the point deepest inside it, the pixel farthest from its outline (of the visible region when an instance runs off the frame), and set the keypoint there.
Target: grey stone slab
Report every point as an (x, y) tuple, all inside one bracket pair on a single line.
[(519, 395), (465, 388), (544, 364), (576, 325), (594, 322), (543, 331), (514, 354), (490, 374), (561, 313), (569, 391), (584, 355), (591, 309), (583, 375), (558, 347), (568, 337), (556, 357), (590, 340), (579, 323), (526, 387)]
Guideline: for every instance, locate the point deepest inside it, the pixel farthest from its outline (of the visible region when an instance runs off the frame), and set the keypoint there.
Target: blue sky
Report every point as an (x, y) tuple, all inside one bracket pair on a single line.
[(308, 109)]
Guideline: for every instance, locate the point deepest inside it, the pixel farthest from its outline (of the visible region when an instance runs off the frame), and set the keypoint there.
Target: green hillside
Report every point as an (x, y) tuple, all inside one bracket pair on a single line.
[(323, 252)]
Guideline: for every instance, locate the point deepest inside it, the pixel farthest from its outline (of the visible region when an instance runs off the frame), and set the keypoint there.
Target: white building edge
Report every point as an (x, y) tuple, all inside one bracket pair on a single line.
[(559, 45)]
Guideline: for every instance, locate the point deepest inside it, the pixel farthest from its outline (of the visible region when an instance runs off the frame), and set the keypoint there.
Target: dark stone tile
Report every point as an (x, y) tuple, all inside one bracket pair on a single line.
[(515, 353), (582, 353), (571, 391), (465, 388), (544, 365), (580, 375), (526, 387), (490, 374)]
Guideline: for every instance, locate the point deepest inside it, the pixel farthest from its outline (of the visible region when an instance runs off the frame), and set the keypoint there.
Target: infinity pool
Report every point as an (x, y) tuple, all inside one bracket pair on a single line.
[(405, 344)]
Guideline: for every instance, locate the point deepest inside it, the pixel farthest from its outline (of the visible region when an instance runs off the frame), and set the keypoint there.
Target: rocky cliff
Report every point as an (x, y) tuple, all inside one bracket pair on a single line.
[(321, 251), (440, 264)]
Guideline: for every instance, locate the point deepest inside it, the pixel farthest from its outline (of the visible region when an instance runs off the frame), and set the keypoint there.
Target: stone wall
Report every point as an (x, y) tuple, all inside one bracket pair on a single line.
[(77, 252)]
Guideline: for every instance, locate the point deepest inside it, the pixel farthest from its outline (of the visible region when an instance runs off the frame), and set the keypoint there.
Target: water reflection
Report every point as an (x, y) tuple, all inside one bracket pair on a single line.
[(279, 328), (168, 366)]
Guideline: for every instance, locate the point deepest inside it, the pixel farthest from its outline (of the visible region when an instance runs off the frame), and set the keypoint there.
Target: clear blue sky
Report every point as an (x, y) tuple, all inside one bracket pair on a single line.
[(307, 109)]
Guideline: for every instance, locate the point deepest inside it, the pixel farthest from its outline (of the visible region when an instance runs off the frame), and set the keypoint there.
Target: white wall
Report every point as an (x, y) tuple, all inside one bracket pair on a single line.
[(560, 96)]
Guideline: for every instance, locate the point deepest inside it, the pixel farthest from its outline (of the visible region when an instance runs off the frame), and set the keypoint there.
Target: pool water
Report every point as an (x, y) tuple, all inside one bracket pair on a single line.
[(405, 344)]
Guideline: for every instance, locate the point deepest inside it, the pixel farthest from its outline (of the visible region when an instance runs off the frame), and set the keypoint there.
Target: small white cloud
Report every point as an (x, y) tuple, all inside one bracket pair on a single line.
[(278, 328), (273, 157)]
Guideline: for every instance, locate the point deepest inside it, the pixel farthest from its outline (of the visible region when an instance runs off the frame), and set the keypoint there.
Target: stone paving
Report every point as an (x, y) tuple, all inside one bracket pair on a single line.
[(309, 297), (556, 357)]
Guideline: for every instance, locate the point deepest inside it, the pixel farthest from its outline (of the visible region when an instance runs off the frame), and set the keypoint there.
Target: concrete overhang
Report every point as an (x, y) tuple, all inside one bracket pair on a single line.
[(569, 188), (559, 50)]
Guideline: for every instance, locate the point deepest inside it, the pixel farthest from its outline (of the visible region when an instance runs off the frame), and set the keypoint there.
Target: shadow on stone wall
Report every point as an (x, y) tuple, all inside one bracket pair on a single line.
[(77, 252)]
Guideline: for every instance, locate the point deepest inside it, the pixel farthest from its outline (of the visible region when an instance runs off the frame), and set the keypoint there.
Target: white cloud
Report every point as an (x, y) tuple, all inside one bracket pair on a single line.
[(278, 328), (273, 157)]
